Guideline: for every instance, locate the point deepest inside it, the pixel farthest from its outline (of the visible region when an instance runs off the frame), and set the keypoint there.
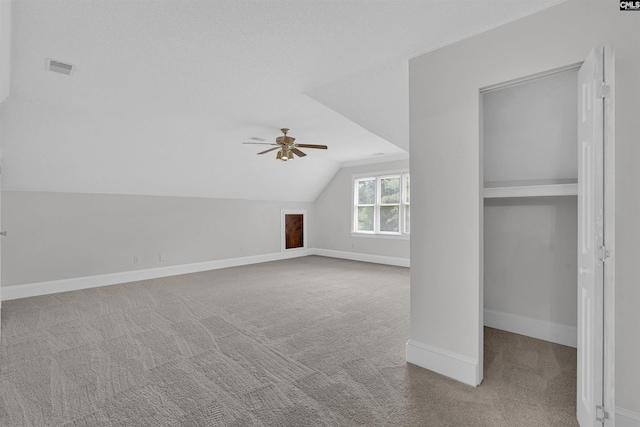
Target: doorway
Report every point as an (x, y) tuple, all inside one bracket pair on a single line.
[(530, 207), (548, 172)]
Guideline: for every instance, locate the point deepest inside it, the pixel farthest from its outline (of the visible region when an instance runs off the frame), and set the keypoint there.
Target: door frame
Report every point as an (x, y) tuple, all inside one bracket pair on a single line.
[(283, 239), (609, 236)]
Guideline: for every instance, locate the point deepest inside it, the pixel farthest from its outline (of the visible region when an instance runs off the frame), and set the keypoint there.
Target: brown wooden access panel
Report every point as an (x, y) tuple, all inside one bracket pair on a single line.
[(294, 231)]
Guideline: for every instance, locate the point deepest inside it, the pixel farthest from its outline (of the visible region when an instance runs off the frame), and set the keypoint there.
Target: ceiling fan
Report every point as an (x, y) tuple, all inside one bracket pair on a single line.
[(286, 147)]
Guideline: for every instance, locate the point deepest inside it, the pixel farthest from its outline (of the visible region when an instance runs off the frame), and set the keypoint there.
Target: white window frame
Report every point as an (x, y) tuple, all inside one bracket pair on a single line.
[(404, 202), (379, 176)]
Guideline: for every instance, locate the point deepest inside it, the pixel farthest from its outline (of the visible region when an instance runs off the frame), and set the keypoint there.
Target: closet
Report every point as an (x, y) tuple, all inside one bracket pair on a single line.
[(529, 137)]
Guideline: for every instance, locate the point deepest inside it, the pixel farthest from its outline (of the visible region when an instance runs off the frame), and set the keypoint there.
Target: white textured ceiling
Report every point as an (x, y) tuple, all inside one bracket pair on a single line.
[(166, 91)]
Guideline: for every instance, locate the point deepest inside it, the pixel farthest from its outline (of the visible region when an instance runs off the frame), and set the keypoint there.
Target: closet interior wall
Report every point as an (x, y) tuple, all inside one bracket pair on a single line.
[(530, 243)]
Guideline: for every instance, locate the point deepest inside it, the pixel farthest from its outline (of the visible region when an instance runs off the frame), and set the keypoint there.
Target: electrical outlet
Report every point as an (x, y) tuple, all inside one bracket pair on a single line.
[(136, 259), (162, 257)]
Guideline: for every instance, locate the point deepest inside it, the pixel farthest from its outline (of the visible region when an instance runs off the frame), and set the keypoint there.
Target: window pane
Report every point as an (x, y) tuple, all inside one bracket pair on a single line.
[(390, 190), (365, 218), (407, 189), (366, 191), (389, 218), (407, 219)]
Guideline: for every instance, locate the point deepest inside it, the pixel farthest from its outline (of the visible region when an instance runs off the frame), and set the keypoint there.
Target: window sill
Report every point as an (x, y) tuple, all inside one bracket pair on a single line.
[(381, 236)]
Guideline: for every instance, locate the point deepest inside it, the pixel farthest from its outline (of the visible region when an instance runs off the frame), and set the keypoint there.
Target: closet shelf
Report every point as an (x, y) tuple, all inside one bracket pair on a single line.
[(531, 191)]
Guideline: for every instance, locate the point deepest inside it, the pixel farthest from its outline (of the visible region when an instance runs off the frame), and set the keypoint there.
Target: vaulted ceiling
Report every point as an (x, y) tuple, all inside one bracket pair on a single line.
[(164, 92)]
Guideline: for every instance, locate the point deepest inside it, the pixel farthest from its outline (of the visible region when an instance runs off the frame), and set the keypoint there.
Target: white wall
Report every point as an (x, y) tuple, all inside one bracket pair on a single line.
[(530, 258), (530, 130), (446, 289), (332, 218), (54, 236), (5, 48)]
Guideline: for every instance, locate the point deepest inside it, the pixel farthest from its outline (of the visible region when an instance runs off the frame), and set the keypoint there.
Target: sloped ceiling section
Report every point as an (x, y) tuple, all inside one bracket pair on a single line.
[(163, 93), (377, 99)]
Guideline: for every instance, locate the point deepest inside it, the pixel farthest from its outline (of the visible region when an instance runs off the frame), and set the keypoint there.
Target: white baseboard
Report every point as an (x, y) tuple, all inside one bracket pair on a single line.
[(76, 283), (355, 256), (444, 362), (548, 331), (626, 418)]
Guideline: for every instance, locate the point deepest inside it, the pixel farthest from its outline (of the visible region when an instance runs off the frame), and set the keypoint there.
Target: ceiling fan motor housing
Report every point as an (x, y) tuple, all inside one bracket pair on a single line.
[(287, 140)]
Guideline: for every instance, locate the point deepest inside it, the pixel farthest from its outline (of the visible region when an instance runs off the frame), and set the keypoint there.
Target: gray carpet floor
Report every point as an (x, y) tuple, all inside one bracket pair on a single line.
[(310, 341)]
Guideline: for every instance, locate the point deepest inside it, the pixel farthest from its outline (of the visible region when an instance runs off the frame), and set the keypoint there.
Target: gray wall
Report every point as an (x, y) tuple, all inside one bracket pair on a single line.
[(446, 291), (64, 235), (530, 257), (332, 210), (54, 236)]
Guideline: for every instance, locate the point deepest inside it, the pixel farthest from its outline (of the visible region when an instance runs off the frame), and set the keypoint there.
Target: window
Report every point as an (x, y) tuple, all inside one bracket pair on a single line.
[(381, 204)]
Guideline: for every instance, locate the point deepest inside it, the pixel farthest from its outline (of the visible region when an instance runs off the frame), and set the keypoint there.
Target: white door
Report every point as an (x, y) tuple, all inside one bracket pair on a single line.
[(591, 239)]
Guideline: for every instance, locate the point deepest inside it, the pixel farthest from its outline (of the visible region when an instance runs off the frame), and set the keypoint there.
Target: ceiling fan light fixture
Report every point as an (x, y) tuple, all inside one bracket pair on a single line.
[(286, 146)]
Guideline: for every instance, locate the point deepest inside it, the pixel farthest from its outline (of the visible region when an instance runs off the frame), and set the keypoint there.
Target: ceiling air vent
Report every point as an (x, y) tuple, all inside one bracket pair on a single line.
[(59, 67)]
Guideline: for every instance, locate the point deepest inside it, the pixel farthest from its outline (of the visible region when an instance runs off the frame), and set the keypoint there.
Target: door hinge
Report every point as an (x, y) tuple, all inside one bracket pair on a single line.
[(603, 90), (601, 414), (604, 253)]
